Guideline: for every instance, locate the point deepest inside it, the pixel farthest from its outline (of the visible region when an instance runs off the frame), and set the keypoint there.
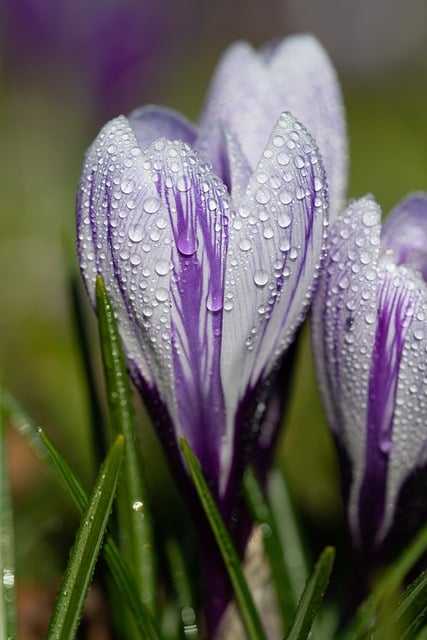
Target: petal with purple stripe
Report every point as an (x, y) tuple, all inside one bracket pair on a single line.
[(343, 327), (276, 242)]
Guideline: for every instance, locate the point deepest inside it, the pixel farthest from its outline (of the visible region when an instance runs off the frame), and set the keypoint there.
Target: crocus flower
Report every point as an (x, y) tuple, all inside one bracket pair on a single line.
[(209, 239), (370, 342)]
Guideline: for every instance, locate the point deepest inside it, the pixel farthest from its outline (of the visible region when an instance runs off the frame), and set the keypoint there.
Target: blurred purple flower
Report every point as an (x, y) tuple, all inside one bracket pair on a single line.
[(370, 341), (103, 49)]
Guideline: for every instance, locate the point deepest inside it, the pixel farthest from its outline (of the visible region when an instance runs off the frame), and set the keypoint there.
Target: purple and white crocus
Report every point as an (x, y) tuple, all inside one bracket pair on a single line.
[(210, 237), (370, 345)]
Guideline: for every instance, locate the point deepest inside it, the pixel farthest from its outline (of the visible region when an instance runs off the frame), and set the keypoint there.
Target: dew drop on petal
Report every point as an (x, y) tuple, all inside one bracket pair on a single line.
[(187, 243), (161, 294), (162, 267), (151, 205), (260, 278), (370, 218), (136, 232)]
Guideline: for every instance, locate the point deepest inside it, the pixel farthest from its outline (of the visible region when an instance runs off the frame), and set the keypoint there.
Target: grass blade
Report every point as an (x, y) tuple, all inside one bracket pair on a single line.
[(261, 513), (84, 554), (312, 596), (288, 530), (60, 469), (183, 592), (409, 614), (387, 587), (242, 594), (132, 499), (7, 560)]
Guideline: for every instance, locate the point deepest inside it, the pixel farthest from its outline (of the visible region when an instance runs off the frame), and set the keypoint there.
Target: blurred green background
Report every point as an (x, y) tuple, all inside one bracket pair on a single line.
[(68, 67)]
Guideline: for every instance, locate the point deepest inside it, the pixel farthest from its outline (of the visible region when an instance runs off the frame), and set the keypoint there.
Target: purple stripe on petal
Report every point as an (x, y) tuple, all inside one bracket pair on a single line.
[(395, 309), (197, 203), (343, 329), (275, 251)]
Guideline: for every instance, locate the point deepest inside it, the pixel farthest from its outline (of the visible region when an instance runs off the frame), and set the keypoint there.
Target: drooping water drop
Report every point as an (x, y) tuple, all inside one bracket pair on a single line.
[(187, 242), (136, 232), (151, 204), (162, 267)]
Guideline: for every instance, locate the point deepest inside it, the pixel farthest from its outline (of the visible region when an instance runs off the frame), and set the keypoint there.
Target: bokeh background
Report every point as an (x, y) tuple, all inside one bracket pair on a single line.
[(65, 68)]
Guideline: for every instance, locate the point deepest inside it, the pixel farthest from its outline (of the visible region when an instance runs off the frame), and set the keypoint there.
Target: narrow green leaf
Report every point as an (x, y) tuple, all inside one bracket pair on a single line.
[(312, 596), (49, 454), (183, 591), (7, 560), (84, 554), (261, 513), (409, 614), (289, 532), (136, 541), (387, 586), (242, 594)]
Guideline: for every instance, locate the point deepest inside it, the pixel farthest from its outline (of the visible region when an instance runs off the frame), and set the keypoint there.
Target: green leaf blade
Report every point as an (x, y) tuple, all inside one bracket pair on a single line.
[(132, 499), (312, 597), (242, 594), (47, 452), (77, 577), (7, 560)]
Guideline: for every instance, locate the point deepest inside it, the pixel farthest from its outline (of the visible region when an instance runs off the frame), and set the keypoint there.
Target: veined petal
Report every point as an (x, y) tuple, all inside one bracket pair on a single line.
[(151, 122), (396, 437), (157, 224), (304, 82), (293, 75), (220, 147), (239, 96), (344, 317), (275, 249), (405, 232)]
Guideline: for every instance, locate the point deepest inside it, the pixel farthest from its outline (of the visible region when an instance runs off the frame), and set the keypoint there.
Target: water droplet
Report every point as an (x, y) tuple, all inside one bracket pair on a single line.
[(268, 233), (183, 184), (214, 301), (151, 205), (161, 294), (260, 278), (283, 219), (136, 232), (137, 505), (127, 186), (187, 243), (262, 196), (370, 218), (245, 244), (162, 267)]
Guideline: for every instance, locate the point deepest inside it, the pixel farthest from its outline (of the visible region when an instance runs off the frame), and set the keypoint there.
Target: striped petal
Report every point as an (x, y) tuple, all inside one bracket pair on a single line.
[(151, 122), (294, 74), (343, 326), (154, 224), (275, 249), (369, 326)]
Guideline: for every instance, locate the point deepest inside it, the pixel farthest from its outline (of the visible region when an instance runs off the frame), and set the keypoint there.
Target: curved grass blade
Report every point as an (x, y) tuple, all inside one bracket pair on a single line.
[(7, 560), (59, 467), (312, 596), (84, 554), (242, 594), (387, 587), (409, 615), (132, 498), (261, 513)]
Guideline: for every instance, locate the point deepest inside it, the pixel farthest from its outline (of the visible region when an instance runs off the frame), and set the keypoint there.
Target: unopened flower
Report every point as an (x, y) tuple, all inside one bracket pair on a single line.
[(209, 239), (370, 344)]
